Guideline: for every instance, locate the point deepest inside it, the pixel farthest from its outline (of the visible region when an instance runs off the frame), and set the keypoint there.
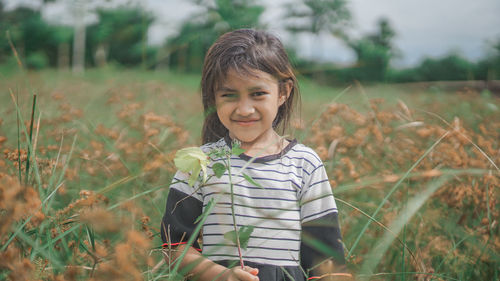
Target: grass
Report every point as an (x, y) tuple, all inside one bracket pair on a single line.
[(422, 165)]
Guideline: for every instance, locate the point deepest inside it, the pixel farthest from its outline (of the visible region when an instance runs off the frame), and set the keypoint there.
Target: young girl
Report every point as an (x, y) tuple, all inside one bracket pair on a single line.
[(249, 91)]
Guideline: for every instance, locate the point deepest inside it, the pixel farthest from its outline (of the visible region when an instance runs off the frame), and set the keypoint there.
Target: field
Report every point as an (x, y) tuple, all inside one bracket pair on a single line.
[(415, 172)]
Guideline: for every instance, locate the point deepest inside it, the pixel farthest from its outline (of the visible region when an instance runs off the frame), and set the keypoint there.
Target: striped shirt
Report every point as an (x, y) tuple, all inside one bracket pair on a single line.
[(291, 189)]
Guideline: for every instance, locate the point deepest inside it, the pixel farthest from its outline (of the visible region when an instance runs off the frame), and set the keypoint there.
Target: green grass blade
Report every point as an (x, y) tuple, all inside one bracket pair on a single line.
[(389, 274), (207, 211), (16, 102), (64, 234), (30, 146), (377, 253), (53, 170), (403, 243), (394, 188), (30, 140), (63, 172), (137, 196), (40, 250), (15, 233), (90, 236)]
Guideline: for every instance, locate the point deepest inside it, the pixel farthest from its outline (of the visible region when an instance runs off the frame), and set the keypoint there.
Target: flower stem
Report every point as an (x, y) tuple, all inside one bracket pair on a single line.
[(233, 214)]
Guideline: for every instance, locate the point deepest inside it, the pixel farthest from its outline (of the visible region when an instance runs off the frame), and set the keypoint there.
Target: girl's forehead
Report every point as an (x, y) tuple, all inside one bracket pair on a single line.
[(245, 75)]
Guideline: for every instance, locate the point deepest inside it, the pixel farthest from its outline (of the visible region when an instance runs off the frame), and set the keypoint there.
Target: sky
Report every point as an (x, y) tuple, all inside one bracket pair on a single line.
[(424, 28)]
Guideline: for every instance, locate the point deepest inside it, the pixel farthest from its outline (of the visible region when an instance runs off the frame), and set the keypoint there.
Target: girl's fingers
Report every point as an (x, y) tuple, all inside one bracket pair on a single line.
[(244, 275), (251, 270)]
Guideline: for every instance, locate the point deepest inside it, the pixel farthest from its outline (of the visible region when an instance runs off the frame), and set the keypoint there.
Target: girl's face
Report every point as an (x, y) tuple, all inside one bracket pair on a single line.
[(247, 105)]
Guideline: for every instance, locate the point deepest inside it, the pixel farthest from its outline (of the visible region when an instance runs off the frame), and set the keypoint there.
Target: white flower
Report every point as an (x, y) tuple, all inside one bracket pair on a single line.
[(192, 160)]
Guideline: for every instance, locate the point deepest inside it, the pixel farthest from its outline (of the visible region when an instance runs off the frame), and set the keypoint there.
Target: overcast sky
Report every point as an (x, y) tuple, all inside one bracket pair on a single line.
[(424, 28)]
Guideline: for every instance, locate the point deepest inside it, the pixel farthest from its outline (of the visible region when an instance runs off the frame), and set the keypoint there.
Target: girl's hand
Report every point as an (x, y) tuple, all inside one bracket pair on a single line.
[(246, 274)]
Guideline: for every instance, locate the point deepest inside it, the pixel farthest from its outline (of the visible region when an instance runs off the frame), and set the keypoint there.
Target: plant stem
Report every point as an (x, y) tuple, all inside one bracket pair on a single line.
[(30, 147), (18, 140), (233, 214)]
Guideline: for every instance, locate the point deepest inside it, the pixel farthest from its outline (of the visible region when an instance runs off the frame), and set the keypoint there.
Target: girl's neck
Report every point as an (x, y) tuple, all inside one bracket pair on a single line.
[(268, 144)]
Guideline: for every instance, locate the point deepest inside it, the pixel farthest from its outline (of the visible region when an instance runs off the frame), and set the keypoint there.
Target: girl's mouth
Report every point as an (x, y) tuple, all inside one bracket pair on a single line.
[(246, 122)]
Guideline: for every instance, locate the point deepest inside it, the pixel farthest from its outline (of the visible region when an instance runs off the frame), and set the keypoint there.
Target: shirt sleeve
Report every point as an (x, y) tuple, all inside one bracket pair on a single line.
[(320, 238), (184, 206)]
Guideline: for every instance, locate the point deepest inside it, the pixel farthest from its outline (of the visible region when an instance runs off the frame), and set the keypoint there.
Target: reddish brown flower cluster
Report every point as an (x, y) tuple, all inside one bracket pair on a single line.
[(369, 152), (101, 231)]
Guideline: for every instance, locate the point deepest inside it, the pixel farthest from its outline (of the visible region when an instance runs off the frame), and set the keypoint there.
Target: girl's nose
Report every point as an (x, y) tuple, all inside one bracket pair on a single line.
[(245, 107)]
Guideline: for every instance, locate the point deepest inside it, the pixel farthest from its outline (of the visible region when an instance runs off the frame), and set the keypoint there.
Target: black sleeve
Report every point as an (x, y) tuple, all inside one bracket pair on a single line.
[(178, 223), (321, 240)]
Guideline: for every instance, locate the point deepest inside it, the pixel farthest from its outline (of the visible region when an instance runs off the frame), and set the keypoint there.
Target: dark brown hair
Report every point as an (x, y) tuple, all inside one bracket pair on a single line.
[(245, 50)]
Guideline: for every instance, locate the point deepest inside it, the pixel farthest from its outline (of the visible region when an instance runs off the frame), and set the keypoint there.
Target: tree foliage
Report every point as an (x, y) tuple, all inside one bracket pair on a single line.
[(186, 50), (315, 16), (36, 41), (122, 34), (119, 36), (374, 52), (488, 68)]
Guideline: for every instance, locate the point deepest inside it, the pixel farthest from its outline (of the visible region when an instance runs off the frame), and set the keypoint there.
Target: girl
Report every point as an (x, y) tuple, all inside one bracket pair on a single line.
[(249, 91)]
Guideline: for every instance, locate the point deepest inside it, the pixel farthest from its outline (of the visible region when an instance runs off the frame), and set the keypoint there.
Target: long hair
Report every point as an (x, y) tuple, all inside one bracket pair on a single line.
[(245, 50)]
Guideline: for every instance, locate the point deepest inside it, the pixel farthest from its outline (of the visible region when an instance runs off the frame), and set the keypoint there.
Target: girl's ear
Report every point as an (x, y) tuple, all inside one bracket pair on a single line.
[(286, 90)]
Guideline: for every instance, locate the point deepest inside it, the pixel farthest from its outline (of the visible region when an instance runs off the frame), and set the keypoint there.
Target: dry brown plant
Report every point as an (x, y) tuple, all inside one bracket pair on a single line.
[(17, 202), (378, 146), (19, 267), (127, 260)]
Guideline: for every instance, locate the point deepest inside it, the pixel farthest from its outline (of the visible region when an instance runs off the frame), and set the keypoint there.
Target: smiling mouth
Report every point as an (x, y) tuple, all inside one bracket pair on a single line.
[(245, 122)]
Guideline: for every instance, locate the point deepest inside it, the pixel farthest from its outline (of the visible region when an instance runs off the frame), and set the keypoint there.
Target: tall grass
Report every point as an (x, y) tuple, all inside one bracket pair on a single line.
[(415, 173)]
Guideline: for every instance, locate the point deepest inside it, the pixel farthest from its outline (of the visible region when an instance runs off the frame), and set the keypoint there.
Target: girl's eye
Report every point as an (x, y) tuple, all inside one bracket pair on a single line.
[(259, 94), (228, 95)]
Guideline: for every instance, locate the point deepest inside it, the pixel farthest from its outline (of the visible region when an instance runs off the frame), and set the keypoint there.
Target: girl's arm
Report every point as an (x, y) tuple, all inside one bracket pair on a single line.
[(321, 250), (203, 269), (329, 271), (324, 231)]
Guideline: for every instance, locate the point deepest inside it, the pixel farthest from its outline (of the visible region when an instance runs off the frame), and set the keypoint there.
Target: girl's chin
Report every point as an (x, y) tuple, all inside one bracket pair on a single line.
[(243, 139), (246, 139)]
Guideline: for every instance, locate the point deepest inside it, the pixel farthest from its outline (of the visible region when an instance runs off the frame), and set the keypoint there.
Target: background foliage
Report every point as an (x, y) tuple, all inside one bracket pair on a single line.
[(120, 37), (86, 168), (415, 173)]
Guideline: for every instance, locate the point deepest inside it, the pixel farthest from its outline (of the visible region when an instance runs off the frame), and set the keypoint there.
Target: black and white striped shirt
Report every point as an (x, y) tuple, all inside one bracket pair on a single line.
[(293, 190)]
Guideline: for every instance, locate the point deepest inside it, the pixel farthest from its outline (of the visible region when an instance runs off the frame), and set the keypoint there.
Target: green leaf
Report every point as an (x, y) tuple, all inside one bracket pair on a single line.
[(219, 169), (236, 148), (194, 176), (252, 181), (192, 160), (244, 235)]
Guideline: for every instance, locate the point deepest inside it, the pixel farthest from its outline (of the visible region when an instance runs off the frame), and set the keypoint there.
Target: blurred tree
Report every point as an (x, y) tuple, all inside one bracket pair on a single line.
[(373, 53), (82, 13), (79, 10), (316, 16), (186, 50), (319, 15), (4, 45), (450, 67), (120, 36), (37, 42), (488, 68)]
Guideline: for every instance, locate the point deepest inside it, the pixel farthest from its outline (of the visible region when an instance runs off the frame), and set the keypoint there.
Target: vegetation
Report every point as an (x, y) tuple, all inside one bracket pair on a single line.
[(88, 159), (329, 16), (120, 37), (415, 174), (186, 50)]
